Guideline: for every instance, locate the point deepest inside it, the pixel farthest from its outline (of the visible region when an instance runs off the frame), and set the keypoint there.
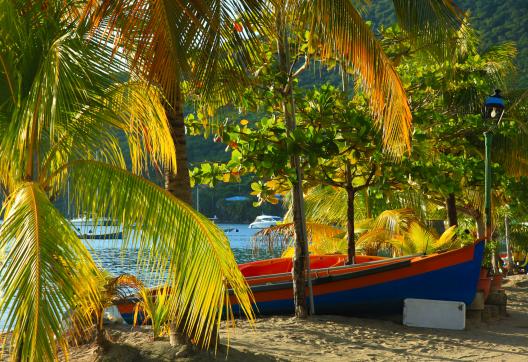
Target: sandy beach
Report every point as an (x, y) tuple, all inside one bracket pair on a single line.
[(336, 338)]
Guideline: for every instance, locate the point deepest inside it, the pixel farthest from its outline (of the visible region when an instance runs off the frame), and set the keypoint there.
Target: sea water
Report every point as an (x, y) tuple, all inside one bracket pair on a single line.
[(111, 256)]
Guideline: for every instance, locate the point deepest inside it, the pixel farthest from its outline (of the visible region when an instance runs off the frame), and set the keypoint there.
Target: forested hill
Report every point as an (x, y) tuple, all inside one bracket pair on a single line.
[(496, 20), (502, 20)]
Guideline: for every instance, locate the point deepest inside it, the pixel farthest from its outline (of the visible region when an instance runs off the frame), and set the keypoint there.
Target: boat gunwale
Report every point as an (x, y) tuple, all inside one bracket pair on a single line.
[(331, 278), (337, 268), (390, 265)]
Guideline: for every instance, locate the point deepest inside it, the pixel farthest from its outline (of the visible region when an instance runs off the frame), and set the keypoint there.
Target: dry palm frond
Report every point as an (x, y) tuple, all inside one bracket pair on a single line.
[(282, 236)]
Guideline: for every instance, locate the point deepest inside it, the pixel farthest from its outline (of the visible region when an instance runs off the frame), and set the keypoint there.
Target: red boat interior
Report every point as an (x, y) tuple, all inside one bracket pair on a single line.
[(284, 265)]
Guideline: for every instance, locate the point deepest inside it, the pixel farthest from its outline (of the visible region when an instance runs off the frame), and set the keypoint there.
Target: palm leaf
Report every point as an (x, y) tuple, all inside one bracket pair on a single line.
[(447, 239), (169, 42), (432, 24), (395, 221), (46, 272), (178, 246), (133, 109), (418, 240)]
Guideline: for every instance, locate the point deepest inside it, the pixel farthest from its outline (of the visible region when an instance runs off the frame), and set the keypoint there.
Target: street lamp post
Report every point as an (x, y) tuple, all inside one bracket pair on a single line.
[(493, 111)]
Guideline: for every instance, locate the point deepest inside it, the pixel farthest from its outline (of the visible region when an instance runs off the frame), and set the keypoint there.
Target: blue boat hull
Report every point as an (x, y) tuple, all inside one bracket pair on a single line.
[(454, 283)]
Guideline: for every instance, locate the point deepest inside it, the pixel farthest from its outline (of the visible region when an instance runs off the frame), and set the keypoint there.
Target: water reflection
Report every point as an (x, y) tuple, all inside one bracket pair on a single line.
[(109, 254)]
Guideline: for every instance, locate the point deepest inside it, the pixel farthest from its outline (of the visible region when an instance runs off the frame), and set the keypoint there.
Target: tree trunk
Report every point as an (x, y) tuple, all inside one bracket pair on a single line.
[(350, 225), (101, 339), (508, 244), (481, 227), (368, 209), (300, 261), (451, 210), (178, 183)]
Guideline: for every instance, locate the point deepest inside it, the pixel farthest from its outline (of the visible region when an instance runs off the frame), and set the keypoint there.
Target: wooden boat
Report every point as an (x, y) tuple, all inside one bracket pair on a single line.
[(374, 284), (370, 286)]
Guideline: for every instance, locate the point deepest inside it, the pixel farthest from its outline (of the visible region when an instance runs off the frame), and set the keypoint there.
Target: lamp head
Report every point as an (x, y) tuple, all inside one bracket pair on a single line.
[(494, 106)]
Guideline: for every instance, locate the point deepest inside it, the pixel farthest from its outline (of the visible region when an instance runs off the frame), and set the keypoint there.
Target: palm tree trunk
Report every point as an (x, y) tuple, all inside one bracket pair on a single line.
[(300, 262), (101, 339), (452, 216), (178, 183), (350, 225)]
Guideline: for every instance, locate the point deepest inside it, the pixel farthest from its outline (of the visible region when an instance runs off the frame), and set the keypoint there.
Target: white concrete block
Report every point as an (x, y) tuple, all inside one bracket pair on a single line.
[(112, 315), (434, 314)]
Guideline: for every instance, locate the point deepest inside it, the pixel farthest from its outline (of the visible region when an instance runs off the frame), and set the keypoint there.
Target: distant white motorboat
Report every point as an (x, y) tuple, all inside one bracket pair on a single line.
[(102, 228), (265, 221), (84, 221)]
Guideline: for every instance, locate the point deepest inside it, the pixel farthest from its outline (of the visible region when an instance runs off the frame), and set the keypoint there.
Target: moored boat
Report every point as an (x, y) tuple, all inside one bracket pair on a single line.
[(370, 286), (264, 221), (373, 284)]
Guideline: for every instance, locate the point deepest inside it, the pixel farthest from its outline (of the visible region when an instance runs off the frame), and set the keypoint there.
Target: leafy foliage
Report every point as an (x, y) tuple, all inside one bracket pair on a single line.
[(59, 121)]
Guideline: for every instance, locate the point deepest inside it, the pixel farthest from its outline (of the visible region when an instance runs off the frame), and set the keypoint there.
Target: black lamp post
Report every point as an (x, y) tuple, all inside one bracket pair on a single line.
[(493, 111)]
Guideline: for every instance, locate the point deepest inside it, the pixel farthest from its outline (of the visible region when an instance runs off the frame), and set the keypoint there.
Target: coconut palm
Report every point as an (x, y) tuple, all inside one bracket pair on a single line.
[(61, 113), (182, 47), (402, 232)]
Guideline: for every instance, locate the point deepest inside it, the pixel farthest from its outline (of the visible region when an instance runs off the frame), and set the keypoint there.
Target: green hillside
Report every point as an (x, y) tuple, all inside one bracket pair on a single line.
[(496, 20), (503, 20)]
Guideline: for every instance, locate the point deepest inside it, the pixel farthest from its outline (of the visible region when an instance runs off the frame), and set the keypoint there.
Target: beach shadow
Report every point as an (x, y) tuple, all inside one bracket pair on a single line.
[(162, 352)]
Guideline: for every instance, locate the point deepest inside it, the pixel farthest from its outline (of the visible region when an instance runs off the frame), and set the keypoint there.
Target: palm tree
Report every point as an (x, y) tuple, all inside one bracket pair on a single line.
[(61, 112), (182, 47)]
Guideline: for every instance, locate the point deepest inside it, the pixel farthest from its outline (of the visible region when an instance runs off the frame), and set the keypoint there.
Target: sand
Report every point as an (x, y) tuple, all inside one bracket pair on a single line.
[(336, 338)]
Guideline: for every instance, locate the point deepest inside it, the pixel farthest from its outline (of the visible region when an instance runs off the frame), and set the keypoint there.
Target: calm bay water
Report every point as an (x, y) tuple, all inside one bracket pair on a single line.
[(109, 255)]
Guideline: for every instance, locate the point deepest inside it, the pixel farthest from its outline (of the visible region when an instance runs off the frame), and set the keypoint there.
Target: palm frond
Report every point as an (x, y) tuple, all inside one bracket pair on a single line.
[(418, 240), (46, 272), (447, 239), (132, 109), (169, 42), (432, 24), (511, 152), (154, 306), (140, 114), (395, 221), (338, 31), (326, 205), (373, 240), (61, 79), (178, 246), (281, 236)]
